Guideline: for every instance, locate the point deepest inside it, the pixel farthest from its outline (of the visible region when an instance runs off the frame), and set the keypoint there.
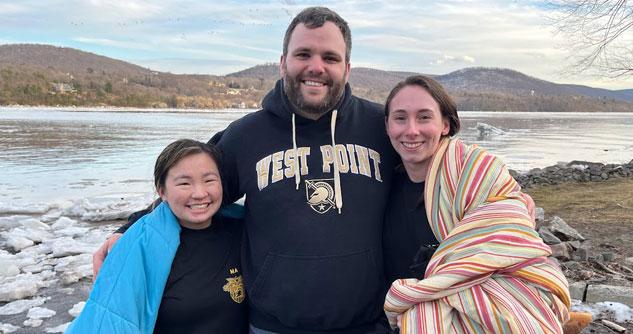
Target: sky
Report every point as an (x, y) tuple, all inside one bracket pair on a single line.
[(220, 37)]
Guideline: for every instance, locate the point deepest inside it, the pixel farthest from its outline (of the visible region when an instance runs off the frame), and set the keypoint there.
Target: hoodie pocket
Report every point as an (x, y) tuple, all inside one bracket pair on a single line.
[(319, 292)]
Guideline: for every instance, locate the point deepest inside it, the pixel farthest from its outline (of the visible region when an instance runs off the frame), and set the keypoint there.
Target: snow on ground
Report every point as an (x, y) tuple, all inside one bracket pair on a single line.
[(619, 312)]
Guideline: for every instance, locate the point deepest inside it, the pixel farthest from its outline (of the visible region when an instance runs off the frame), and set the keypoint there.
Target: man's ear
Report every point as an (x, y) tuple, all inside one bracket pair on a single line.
[(348, 67), (282, 66)]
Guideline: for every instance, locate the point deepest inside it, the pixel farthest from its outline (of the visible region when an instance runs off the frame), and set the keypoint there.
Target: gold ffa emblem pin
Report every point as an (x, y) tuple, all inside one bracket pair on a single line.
[(235, 288)]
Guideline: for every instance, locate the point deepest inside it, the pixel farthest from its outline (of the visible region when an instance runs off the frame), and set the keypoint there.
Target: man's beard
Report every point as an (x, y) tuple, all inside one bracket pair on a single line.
[(292, 87)]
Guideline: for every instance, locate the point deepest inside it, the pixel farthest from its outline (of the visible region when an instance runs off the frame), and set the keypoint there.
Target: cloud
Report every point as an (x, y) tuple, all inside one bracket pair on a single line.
[(127, 8), (454, 59), (114, 43), (220, 66), (9, 8)]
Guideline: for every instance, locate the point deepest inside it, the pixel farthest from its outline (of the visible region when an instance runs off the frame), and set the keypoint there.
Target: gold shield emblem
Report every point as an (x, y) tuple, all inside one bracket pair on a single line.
[(235, 288)]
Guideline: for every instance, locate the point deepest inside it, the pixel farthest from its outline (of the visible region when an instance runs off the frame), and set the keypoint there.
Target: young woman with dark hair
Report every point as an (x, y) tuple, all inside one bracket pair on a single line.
[(177, 269), (491, 272)]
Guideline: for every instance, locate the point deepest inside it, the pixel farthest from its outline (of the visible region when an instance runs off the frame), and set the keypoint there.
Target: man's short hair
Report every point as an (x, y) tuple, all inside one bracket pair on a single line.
[(315, 17)]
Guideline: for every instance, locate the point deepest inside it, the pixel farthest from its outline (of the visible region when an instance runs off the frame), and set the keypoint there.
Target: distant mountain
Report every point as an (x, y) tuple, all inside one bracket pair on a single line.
[(624, 95), (268, 71), (48, 75), (513, 82), (375, 80), (64, 59), (481, 88)]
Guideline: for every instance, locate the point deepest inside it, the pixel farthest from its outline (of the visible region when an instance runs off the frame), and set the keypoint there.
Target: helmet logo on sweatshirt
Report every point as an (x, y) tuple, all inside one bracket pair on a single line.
[(235, 288), (320, 194)]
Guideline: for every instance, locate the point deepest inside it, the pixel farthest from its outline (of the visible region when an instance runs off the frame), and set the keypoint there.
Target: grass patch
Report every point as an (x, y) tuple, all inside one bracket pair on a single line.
[(601, 211), (599, 202)]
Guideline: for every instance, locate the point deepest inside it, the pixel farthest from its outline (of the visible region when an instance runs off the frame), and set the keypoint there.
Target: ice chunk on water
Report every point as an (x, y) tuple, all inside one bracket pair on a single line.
[(76, 309), (19, 306), (34, 234), (8, 328), (72, 231), (59, 329), (27, 257), (32, 223), (7, 267), (66, 246), (110, 207), (40, 313), (33, 322), (74, 268), (24, 285), (51, 215), (96, 236), (28, 208), (486, 130), (63, 222), (17, 243), (10, 222)]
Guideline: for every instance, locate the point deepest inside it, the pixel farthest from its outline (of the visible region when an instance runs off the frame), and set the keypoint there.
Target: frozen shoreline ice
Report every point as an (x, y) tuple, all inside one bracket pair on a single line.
[(93, 209), (54, 258), (47, 272)]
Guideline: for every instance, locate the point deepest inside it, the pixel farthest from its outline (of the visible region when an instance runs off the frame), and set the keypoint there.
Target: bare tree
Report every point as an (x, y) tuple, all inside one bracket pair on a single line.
[(598, 34)]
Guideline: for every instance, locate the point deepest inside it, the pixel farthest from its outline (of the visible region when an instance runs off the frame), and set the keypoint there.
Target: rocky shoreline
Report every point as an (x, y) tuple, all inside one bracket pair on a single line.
[(598, 274), (574, 171)]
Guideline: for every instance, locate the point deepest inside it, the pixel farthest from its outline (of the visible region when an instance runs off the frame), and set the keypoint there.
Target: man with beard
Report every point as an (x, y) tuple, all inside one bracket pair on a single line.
[(315, 165)]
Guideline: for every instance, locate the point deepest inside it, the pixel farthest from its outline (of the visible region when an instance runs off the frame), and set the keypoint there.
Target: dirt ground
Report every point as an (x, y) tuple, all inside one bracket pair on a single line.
[(603, 213)]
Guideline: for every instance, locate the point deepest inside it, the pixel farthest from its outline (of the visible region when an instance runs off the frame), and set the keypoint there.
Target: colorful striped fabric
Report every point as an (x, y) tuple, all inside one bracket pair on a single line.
[(491, 272)]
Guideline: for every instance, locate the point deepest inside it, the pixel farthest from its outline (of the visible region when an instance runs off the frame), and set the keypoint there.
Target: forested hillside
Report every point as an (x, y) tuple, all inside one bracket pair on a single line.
[(48, 75)]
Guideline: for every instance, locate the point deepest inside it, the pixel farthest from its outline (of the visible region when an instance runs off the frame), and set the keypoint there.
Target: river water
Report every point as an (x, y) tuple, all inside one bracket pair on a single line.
[(49, 155)]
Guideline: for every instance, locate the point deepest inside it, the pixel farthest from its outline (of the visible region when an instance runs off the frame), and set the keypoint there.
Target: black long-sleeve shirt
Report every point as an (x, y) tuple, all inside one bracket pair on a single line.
[(406, 227)]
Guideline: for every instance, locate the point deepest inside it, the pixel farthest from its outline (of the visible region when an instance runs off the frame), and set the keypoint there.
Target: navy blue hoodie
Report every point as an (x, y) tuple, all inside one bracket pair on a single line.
[(311, 262)]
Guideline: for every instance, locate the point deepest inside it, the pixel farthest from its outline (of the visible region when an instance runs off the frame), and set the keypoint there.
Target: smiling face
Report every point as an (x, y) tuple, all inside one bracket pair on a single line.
[(415, 126), (314, 70), (193, 190)]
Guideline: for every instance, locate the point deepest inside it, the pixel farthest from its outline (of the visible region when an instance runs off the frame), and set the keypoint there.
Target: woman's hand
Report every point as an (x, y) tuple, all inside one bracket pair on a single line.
[(99, 256)]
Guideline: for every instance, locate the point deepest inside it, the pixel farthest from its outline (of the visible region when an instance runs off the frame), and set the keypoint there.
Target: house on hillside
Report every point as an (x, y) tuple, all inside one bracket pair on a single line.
[(216, 84), (63, 88)]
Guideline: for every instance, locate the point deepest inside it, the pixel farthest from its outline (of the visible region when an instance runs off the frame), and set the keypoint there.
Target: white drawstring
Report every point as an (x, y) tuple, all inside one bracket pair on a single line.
[(294, 147), (337, 178), (338, 197)]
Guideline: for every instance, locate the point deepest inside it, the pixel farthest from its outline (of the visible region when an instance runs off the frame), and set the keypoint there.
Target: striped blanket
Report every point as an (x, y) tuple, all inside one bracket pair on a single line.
[(491, 272)]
